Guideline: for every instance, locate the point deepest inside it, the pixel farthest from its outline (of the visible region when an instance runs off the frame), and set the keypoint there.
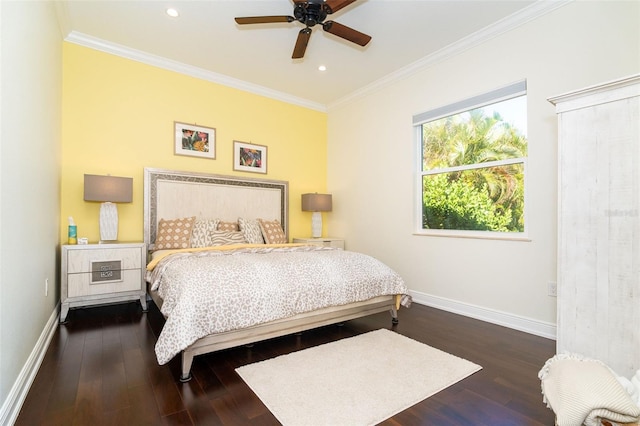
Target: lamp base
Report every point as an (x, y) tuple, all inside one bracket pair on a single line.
[(316, 225), (108, 222)]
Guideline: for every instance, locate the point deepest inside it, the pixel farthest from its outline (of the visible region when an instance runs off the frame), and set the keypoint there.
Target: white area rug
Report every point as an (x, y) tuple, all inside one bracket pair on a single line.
[(360, 380)]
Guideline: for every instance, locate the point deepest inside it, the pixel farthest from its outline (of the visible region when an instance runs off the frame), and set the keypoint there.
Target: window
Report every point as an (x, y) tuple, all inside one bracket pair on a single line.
[(472, 159)]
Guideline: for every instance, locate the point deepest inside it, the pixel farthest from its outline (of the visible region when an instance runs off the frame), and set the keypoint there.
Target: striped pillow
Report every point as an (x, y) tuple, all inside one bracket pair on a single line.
[(250, 228), (223, 238)]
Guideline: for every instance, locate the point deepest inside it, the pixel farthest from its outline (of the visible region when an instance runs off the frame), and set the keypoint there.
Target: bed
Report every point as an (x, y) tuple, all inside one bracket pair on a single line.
[(201, 283)]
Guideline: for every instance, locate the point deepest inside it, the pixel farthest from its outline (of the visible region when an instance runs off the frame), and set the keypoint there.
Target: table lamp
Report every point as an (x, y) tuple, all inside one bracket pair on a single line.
[(108, 190), (316, 203)]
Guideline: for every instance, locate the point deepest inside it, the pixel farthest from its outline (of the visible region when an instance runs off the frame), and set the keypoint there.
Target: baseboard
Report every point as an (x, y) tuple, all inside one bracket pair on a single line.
[(12, 405), (528, 325)]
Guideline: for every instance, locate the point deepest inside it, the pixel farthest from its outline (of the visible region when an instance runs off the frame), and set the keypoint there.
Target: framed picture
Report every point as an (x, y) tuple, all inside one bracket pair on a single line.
[(249, 157), (195, 141)]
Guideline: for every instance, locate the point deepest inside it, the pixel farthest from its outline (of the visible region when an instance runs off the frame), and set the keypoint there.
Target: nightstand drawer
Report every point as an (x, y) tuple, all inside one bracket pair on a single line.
[(92, 260), (85, 284)]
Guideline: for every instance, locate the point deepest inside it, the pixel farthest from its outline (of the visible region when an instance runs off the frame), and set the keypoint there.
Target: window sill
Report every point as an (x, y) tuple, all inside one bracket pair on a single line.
[(473, 235)]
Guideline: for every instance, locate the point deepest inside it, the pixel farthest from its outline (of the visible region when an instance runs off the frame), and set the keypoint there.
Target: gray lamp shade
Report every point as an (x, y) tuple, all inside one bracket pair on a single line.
[(112, 189), (316, 202)]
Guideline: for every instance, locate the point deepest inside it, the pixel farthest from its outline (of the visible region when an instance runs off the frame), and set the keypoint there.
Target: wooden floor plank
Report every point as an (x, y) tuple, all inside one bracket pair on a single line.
[(197, 403), (89, 395), (101, 369), (65, 383)]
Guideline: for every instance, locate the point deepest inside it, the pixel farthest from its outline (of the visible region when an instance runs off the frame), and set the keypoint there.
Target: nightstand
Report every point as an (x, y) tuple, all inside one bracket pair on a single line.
[(93, 274), (328, 242)]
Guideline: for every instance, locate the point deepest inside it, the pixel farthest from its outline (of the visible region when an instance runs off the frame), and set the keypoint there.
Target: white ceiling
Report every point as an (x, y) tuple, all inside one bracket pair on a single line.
[(205, 40)]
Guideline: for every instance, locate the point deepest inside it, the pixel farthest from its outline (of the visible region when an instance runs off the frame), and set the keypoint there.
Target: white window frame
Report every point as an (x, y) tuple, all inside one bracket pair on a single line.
[(510, 91)]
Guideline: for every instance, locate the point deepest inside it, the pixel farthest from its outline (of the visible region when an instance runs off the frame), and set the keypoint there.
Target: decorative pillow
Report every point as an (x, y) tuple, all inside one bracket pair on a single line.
[(272, 231), (222, 238), (227, 226), (250, 228), (201, 230), (174, 234)]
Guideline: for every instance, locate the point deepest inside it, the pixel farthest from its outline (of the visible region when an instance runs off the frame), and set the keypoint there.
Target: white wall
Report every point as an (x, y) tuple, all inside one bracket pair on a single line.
[(31, 76), (371, 161)]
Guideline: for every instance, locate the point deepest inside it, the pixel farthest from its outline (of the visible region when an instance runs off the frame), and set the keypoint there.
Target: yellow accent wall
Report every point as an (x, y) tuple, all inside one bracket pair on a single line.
[(118, 117)]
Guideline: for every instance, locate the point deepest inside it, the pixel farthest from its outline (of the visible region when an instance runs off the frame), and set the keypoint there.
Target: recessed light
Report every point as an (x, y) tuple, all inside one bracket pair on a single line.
[(322, 68), (172, 12)]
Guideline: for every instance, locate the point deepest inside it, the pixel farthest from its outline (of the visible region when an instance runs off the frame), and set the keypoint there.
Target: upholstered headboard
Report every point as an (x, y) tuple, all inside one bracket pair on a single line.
[(170, 194)]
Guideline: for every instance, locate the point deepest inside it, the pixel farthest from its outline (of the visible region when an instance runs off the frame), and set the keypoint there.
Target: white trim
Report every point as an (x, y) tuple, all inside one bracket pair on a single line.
[(12, 405), (536, 10), (168, 64), (611, 91), (505, 319)]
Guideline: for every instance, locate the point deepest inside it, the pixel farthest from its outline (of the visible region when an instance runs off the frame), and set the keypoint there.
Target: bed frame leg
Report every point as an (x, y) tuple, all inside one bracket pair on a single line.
[(394, 316), (187, 360)]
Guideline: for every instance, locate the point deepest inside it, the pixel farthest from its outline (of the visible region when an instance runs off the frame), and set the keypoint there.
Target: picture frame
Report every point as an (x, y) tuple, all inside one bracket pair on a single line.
[(194, 141), (248, 157)]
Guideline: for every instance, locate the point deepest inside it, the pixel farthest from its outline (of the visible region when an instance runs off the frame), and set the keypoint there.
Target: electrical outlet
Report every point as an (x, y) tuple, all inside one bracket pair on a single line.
[(46, 287), (552, 289)]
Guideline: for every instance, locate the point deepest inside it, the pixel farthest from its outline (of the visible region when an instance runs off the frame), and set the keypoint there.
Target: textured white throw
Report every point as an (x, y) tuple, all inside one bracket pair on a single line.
[(360, 380), (582, 391)]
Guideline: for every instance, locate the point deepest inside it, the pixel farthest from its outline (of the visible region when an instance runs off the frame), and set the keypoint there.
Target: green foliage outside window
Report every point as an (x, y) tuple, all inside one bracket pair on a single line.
[(472, 196)]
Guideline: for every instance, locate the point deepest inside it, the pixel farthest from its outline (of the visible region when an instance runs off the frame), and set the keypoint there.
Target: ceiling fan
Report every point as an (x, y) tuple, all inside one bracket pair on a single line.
[(310, 13)]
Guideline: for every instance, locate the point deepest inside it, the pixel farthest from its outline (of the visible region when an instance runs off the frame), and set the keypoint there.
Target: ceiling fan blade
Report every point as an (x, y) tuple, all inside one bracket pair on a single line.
[(346, 33), (301, 43), (264, 19), (332, 6)]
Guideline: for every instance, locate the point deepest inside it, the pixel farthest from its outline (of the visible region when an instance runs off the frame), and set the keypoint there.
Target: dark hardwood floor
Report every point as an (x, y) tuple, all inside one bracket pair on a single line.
[(100, 369)]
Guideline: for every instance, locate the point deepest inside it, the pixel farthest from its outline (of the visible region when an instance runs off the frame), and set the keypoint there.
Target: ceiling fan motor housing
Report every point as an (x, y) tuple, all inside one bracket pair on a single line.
[(310, 13)]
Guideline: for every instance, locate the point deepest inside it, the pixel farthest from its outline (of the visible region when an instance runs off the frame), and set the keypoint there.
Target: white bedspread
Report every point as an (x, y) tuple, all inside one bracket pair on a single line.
[(207, 292)]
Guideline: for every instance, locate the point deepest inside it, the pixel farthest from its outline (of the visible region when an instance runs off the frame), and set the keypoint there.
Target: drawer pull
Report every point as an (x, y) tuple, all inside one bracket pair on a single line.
[(106, 271)]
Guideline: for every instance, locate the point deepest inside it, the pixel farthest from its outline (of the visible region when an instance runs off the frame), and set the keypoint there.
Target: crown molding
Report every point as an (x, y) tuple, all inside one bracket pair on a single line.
[(530, 13), (168, 64), (62, 13)]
